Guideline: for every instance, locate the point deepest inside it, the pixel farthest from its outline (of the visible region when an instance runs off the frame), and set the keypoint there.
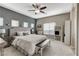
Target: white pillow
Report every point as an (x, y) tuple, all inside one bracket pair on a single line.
[(26, 33), (20, 33)]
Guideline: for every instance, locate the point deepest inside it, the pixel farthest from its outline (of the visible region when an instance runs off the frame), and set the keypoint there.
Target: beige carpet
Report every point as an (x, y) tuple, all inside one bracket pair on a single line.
[(56, 48)]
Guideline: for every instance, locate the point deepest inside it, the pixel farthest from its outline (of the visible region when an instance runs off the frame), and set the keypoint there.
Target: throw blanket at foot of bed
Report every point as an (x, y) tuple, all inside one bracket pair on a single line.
[(28, 43)]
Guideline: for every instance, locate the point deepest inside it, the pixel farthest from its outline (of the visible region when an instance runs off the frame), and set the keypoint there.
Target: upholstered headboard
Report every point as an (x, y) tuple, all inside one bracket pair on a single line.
[(14, 30)]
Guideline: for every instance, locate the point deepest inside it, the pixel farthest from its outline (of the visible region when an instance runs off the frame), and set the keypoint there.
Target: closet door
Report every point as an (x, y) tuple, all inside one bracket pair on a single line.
[(67, 32)]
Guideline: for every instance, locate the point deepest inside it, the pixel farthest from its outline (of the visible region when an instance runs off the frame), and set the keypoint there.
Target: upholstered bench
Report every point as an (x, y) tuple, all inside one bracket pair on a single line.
[(41, 46)]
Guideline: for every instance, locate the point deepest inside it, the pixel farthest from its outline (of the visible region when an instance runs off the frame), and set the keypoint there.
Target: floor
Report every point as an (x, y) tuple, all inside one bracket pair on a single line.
[(56, 48)]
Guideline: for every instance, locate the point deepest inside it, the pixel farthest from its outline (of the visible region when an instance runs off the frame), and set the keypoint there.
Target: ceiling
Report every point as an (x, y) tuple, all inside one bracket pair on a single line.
[(52, 9)]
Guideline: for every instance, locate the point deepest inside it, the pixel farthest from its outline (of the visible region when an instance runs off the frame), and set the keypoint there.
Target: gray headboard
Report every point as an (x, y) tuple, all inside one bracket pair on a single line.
[(14, 30)]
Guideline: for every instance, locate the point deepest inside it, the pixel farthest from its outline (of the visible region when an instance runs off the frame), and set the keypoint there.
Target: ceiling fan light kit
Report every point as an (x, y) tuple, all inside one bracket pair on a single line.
[(37, 11)]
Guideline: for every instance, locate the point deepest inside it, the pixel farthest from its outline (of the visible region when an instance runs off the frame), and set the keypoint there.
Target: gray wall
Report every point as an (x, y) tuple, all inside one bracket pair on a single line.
[(8, 15)]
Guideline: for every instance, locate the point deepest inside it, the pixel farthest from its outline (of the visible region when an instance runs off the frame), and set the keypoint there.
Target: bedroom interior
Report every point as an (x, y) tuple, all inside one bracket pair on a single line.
[(44, 29)]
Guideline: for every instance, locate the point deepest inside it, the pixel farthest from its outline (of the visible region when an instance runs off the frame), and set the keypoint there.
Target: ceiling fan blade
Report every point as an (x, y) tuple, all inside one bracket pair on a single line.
[(34, 5), (42, 11), (43, 8), (31, 10)]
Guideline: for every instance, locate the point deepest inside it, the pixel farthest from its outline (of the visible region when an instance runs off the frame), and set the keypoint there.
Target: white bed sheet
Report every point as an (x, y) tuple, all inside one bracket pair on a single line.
[(28, 43)]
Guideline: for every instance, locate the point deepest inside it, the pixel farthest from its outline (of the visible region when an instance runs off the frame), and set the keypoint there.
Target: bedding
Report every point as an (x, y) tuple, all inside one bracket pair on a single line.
[(28, 42), (19, 33), (22, 33)]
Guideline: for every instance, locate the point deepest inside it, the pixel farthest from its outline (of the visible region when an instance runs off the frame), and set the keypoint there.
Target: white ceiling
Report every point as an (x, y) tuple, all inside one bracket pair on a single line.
[(52, 8)]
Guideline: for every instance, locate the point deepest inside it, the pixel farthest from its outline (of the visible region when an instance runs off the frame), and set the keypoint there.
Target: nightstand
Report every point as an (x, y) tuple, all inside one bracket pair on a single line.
[(2, 45)]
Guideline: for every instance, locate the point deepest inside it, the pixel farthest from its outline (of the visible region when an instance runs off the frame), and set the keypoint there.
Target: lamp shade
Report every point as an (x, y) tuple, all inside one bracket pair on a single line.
[(2, 30)]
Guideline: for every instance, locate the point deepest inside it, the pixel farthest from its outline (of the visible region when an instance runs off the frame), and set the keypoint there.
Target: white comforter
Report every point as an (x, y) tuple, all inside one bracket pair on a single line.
[(28, 43)]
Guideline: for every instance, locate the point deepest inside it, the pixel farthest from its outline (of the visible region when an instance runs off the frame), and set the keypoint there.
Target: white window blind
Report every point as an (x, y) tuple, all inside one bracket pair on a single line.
[(25, 24), (49, 28), (32, 25), (15, 23)]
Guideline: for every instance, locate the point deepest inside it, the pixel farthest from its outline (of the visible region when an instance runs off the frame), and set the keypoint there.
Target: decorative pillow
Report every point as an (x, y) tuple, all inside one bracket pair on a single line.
[(25, 34), (20, 33)]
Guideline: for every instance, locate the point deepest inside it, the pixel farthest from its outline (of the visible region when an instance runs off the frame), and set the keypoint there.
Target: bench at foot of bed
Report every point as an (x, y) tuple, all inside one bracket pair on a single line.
[(41, 46)]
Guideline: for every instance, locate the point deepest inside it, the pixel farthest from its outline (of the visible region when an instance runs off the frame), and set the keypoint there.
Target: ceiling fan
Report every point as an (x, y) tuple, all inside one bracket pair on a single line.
[(38, 8)]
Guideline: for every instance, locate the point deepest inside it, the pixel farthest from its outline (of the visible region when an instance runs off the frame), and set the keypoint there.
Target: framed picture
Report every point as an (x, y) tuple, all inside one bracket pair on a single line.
[(39, 26)]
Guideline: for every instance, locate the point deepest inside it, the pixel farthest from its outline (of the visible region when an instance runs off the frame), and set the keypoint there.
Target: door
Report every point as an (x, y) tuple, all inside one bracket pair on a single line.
[(67, 32)]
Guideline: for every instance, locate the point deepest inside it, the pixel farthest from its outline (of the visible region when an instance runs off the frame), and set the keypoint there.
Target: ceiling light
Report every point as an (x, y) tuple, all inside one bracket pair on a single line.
[(37, 11)]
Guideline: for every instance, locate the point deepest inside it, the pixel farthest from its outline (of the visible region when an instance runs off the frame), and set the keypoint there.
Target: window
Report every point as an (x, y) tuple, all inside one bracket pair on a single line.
[(1, 21), (49, 28), (32, 25), (25, 24), (15, 23)]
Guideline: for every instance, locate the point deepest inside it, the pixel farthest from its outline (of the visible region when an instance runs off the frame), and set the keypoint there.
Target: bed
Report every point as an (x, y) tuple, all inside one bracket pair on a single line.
[(26, 43)]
